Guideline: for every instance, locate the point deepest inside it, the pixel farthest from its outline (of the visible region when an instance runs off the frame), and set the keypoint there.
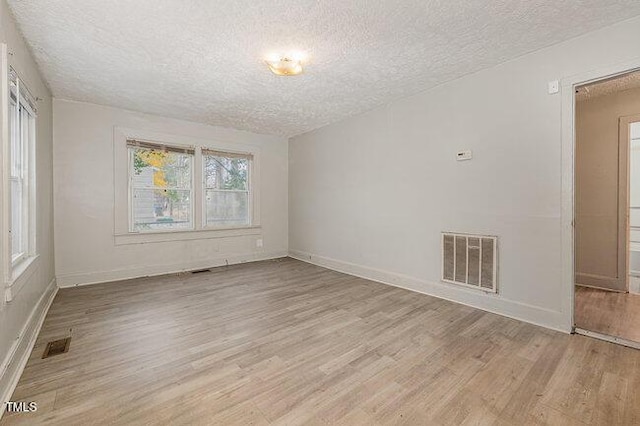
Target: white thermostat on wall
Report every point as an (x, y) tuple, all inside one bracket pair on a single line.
[(464, 155)]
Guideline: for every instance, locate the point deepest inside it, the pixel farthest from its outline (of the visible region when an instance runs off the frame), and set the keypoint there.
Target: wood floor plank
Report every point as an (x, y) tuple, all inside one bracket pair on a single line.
[(608, 312), (287, 343)]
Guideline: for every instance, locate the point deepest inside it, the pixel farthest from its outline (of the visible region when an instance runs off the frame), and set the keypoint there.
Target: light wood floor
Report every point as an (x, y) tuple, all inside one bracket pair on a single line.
[(284, 342), (608, 312)]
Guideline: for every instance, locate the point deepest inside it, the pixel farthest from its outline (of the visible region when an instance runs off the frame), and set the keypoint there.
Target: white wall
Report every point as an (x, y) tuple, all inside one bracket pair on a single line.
[(84, 198), (20, 318), (370, 195)]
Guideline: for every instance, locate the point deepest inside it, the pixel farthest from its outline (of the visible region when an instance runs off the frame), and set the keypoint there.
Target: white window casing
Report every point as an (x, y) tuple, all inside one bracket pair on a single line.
[(18, 179), (242, 156)]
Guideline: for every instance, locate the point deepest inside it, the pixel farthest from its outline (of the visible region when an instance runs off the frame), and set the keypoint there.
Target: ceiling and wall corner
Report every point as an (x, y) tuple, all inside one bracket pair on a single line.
[(393, 184), (21, 318), (203, 61), (87, 171)]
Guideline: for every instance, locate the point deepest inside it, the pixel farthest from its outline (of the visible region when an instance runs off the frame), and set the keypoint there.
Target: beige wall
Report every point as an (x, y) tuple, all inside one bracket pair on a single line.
[(597, 140), (20, 316), (86, 172)]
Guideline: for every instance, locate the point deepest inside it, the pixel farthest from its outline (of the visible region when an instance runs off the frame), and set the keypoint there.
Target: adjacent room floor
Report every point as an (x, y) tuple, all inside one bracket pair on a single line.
[(285, 342), (608, 312)]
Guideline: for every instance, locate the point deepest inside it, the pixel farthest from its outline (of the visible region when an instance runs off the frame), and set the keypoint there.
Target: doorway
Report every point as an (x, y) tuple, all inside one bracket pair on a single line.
[(607, 208)]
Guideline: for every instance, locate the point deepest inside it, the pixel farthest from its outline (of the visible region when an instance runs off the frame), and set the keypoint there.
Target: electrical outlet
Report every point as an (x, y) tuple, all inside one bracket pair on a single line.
[(259, 242)]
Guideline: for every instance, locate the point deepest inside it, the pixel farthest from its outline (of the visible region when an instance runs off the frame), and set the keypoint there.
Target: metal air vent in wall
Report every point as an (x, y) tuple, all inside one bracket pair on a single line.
[(470, 260)]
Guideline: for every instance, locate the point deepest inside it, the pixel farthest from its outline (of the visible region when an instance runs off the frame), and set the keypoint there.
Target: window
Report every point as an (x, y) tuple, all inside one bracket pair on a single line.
[(167, 190), (160, 187), (22, 115), (226, 189)]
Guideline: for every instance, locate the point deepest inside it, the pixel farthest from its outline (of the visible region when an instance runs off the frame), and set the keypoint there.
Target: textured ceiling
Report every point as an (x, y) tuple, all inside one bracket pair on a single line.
[(201, 60), (607, 87)]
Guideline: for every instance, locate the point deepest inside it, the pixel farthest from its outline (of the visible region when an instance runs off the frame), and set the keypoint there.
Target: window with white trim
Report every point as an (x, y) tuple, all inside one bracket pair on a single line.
[(227, 196), (173, 187), (160, 187), (22, 118)]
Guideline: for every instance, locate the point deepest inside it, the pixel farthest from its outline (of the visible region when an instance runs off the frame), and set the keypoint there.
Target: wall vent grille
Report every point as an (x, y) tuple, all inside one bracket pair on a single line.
[(470, 260)]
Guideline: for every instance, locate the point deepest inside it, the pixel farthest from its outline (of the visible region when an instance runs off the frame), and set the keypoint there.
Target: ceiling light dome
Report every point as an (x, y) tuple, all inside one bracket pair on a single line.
[(285, 65)]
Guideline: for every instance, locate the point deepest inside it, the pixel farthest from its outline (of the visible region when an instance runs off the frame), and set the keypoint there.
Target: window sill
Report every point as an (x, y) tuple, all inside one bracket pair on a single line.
[(20, 275), (198, 234)]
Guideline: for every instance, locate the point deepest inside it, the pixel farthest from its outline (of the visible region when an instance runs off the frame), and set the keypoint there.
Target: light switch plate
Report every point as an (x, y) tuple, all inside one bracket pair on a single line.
[(554, 87)]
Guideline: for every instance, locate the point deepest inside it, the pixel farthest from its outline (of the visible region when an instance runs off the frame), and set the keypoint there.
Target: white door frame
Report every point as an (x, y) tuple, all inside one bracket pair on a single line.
[(568, 85)]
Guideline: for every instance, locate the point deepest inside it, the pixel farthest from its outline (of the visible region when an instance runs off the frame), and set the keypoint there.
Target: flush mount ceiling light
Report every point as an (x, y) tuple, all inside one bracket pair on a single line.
[(290, 64)]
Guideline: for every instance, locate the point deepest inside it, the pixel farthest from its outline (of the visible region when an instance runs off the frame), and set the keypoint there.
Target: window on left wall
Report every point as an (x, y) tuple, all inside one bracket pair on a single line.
[(22, 135)]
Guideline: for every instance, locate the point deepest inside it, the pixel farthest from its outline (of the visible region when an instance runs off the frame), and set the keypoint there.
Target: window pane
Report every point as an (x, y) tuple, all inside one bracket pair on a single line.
[(226, 173), (17, 239), (161, 209), (227, 208), (16, 145), (159, 169), (22, 138)]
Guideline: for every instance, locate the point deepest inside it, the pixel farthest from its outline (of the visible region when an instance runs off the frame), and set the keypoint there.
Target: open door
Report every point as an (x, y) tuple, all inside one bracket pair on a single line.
[(630, 130), (607, 209), (602, 194)]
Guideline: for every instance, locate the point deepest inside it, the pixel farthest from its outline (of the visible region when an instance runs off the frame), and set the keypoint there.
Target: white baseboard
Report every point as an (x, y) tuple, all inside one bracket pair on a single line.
[(79, 279), (490, 302), (18, 355)]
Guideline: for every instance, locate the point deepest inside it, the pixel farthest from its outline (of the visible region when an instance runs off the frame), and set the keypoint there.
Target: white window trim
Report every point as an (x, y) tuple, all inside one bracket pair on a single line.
[(20, 275), (122, 234), (28, 187), (16, 272), (201, 234), (5, 213)]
